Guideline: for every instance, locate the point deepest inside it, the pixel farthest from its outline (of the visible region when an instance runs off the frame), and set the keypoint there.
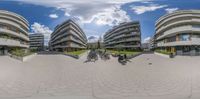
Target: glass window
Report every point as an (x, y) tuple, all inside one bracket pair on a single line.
[(196, 26), (195, 36), (185, 37), (171, 39)]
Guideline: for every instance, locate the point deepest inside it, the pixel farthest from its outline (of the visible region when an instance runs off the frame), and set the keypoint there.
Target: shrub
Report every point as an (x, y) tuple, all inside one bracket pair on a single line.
[(163, 52), (20, 52)]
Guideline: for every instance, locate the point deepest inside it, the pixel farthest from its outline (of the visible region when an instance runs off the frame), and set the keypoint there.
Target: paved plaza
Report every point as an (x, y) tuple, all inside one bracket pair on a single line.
[(147, 76)]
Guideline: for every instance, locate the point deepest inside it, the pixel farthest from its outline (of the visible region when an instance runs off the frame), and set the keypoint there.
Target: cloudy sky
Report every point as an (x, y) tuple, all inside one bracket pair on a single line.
[(94, 16)]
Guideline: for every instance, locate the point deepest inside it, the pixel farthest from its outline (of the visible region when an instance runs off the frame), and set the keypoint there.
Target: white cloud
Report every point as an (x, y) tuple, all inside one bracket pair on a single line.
[(143, 9), (147, 39), (54, 16), (93, 38), (39, 28), (102, 12), (170, 10), (110, 16), (147, 2)]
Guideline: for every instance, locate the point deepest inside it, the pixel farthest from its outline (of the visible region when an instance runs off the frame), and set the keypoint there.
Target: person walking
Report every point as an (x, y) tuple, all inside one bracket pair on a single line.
[(125, 57)]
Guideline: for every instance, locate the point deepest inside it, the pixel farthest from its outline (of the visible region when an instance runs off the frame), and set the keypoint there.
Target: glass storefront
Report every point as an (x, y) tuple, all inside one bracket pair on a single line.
[(1, 51), (188, 50)]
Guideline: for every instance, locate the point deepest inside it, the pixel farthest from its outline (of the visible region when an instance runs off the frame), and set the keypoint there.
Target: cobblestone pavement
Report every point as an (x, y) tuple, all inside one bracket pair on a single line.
[(147, 76)]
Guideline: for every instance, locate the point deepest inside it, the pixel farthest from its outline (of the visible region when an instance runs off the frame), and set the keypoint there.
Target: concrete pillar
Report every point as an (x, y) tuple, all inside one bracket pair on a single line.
[(193, 52), (5, 51), (1, 52)]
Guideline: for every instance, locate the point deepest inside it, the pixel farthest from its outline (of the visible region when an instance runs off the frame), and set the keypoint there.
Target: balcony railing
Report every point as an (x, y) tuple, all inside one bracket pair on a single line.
[(14, 24), (10, 42), (193, 41), (14, 34), (182, 29), (124, 40)]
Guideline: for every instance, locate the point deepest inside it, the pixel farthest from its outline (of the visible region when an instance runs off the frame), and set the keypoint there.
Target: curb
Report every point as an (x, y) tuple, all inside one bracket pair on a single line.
[(73, 56), (160, 54), (23, 59), (133, 56)]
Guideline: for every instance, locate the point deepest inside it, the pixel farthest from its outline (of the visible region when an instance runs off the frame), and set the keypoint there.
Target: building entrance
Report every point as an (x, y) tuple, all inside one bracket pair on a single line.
[(186, 50), (1, 51)]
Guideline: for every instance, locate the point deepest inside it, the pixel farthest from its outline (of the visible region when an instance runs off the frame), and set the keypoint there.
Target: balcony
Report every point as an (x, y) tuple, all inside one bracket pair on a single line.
[(75, 45), (13, 43), (62, 40), (123, 46), (77, 31), (122, 36), (16, 20), (123, 41), (176, 30), (116, 33), (14, 24), (128, 40), (193, 41), (58, 33), (61, 46), (194, 20), (160, 23), (20, 35), (78, 41)]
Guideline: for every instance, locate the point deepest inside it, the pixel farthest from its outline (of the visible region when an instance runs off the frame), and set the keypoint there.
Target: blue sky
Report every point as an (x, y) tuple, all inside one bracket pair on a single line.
[(94, 16)]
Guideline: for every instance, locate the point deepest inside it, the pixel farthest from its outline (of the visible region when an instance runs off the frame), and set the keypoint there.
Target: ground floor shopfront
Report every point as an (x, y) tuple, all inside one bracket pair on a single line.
[(124, 48), (192, 50), (3, 50)]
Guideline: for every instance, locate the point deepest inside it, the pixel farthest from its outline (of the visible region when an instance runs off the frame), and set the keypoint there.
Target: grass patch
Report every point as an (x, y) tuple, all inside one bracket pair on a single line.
[(76, 52), (163, 52), (20, 53), (124, 52)]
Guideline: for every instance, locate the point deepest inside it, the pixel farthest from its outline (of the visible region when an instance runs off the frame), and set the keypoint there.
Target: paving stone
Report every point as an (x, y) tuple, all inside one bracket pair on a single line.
[(61, 76)]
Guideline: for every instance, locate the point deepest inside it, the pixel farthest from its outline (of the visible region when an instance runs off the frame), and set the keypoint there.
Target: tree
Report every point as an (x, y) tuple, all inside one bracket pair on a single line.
[(98, 45)]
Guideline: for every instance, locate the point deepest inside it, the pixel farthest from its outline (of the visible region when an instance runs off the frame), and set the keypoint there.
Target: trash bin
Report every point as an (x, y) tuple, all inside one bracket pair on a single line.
[(171, 55)]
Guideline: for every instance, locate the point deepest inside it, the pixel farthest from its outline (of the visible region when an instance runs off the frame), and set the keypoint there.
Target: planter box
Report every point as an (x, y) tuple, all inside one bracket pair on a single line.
[(163, 55), (135, 55), (25, 58), (73, 56)]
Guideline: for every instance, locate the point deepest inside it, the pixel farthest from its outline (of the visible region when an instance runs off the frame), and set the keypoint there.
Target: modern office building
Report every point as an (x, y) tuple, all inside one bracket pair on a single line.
[(36, 41), (68, 36), (126, 36), (145, 46), (152, 43), (179, 32), (13, 32), (95, 45)]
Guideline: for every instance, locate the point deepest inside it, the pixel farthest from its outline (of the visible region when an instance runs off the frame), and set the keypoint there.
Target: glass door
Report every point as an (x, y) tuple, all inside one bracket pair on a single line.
[(1, 51), (186, 50)]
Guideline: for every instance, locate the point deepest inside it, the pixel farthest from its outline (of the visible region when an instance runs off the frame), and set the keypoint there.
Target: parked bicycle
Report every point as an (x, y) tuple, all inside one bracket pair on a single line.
[(92, 56), (122, 59), (105, 56)]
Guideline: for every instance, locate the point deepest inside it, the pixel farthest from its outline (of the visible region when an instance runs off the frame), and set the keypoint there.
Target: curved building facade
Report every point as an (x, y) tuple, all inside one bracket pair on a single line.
[(36, 41), (179, 32), (68, 36), (124, 36), (13, 32)]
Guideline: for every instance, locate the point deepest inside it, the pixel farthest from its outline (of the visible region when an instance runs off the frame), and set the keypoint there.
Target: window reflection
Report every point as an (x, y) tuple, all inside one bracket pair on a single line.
[(185, 37)]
